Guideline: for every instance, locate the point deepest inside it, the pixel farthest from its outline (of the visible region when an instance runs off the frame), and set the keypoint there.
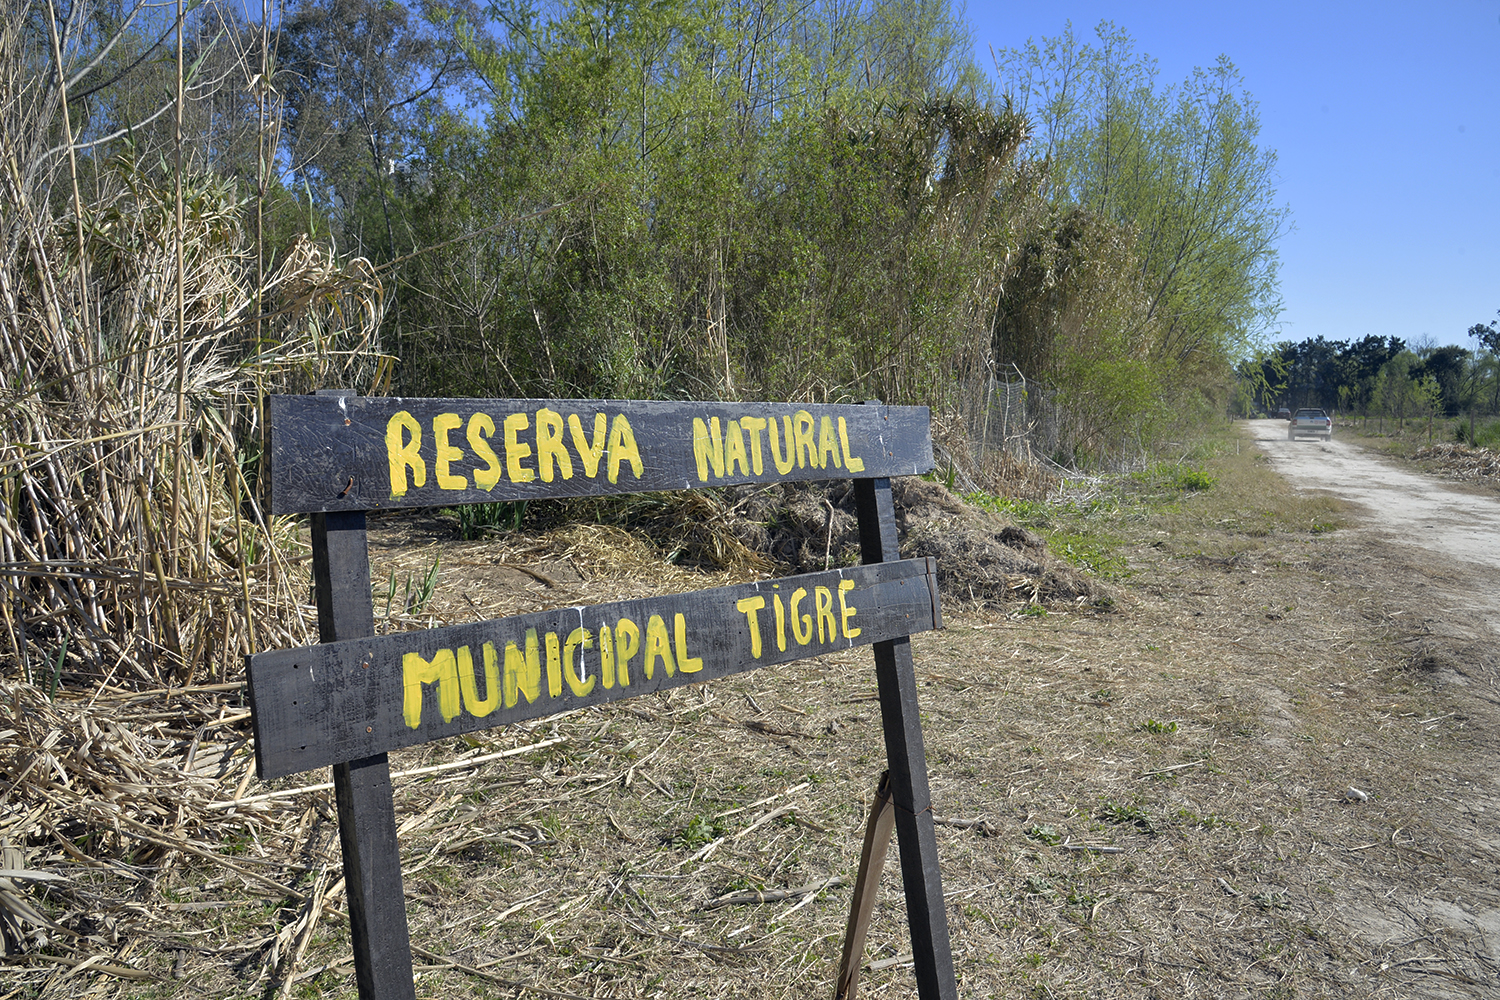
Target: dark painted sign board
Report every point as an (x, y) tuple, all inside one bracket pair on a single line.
[(371, 453), (340, 701)]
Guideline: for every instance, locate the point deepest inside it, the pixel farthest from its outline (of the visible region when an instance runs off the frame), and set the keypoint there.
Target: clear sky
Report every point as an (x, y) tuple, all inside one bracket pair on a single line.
[(1385, 118)]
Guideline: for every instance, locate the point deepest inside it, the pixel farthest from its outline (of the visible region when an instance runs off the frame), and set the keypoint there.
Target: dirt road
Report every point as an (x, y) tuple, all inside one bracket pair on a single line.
[(1447, 539), (1401, 506)]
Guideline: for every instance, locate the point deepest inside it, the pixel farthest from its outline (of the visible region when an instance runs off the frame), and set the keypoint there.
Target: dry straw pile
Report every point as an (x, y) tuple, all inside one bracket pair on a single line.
[(1458, 461)]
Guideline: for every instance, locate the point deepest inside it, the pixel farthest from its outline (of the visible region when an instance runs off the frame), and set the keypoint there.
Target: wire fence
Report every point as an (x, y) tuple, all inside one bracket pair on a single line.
[(1002, 437), (1012, 417)]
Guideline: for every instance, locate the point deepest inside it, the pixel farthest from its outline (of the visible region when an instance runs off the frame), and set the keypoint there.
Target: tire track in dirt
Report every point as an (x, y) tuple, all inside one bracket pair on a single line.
[(1402, 506)]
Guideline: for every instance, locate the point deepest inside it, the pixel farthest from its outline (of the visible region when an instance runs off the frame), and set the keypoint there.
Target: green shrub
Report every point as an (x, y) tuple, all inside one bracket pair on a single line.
[(481, 520)]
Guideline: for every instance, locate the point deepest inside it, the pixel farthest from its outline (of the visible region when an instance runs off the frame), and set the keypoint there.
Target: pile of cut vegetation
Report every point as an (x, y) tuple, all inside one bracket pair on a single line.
[(1459, 461), (982, 559)]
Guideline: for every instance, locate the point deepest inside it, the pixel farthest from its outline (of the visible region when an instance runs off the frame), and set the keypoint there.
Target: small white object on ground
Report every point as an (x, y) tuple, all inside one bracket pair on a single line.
[(1355, 795)]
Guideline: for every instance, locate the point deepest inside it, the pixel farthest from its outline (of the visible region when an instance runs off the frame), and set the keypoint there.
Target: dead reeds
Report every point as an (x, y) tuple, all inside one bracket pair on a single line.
[(134, 545), (137, 560)]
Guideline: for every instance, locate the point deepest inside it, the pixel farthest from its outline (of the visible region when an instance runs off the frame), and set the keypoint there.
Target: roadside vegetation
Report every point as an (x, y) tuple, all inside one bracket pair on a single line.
[(678, 200), (1222, 489), (1441, 447)]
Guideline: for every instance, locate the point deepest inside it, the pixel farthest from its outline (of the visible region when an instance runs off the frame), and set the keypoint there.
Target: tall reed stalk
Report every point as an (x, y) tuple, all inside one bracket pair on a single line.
[(139, 336)]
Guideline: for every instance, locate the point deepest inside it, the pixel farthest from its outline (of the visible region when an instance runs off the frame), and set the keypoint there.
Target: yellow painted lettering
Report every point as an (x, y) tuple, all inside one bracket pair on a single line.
[(708, 448), (851, 463), (658, 646), (515, 451), (468, 681), (780, 623), (523, 672), (847, 610), (549, 445), (828, 445), (589, 453), (734, 449), (783, 465), (416, 672), (403, 453), (444, 453), (578, 639), (622, 448), (806, 448), (802, 625), (687, 664), (627, 644), (823, 601), (750, 605), (754, 425), (554, 665), (607, 656), (481, 429)]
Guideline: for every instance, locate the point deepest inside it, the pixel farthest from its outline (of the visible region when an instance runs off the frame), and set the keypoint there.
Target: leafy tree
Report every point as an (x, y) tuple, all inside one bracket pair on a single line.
[(1157, 254), (1312, 373), (1487, 335), (1181, 166), (1486, 365), (738, 198), (1448, 366), (1263, 377), (1403, 390), (358, 78)]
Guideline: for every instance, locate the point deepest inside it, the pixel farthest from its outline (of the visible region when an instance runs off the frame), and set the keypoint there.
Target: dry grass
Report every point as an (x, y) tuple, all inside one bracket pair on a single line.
[(1150, 801), (137, 565)]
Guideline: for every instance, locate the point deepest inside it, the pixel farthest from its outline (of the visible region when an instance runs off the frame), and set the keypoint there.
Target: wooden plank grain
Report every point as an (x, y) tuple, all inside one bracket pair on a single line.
[(368, 453), (344, 700)]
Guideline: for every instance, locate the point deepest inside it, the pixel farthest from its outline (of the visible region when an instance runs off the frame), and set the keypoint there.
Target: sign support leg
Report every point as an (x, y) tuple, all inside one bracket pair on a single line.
[(878, 830), (907, 757), (362, 788)]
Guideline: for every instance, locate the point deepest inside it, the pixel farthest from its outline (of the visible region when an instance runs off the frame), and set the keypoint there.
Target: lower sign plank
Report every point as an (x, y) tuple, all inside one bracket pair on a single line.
[(342, 701)]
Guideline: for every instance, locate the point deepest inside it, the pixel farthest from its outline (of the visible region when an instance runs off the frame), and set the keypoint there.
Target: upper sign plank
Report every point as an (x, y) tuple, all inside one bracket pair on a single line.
[(369, 453)]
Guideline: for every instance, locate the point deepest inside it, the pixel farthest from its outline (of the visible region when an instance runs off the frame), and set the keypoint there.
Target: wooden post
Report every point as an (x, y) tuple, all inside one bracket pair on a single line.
[(362, 788), (878, 830), (907, 757)]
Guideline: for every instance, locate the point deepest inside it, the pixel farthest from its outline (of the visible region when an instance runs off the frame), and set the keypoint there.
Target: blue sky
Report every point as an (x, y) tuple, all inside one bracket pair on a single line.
[(1386, 121)]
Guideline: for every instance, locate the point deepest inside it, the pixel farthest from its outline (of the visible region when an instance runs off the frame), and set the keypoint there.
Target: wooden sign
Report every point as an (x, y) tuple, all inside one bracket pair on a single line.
[(357, 696), (341, 701), (361, 453)]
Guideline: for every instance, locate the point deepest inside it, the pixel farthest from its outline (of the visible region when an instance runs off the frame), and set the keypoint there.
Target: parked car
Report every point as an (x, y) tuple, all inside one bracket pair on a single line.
[(1310, 421), (1283, 414)]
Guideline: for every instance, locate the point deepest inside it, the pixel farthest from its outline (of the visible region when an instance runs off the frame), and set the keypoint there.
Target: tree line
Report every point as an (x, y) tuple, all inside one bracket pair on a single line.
[(710, 198), (205, 203), (1374, 377)]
